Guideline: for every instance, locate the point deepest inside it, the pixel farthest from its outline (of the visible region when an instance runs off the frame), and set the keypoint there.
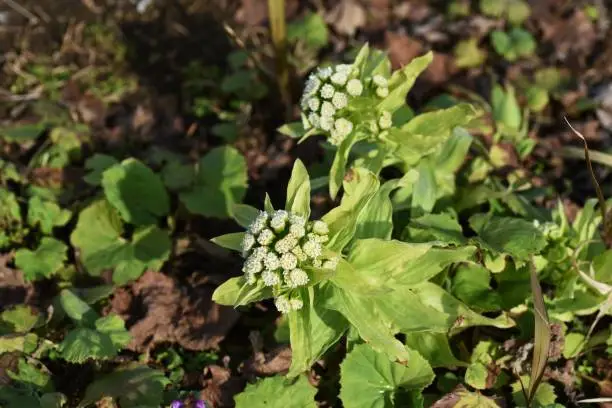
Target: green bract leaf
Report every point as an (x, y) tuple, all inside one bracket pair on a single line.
[(459, 316), (277, 392), (299, 334), (401, 82), (46, 214), (219, 184), (136, 192), (370, 380), (244, 214), (237, 292), (132, 386), (298, 191), (426, 132), (294, 130), (513, 236), (43, 262), (231, 241)]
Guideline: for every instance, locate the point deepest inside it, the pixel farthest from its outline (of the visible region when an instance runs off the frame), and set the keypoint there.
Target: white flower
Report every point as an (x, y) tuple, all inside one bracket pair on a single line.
[(373, 127), (385, 121), (327, 109), (382, 92), (265, 237), (339, 78), (297, 277), (327, 91), (330, 264), (259, 223), (314, 103), (282, 304), (278, 220), (343, 126), (344, 68), (312, 249), (354, 87), (312, 85), (295, 219), (297, 231), (259, 253), (314, 119), (299, 254), (320, 227), (288, 261), (380, 81), (250, 278), (335, 138), (270, 278), (252, 266), (247, 242), (339, 100), (326, 123), (296, 304), (325, 73), (271, 262), (317, 263), (285, 245)]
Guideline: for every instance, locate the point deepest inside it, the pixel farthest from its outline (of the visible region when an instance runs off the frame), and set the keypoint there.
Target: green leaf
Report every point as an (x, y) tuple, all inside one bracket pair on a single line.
[(383, 260), (231, 241), (443, 227), (22, 133), (459, 316), (375, 221), (338, 168), (220, 183), (299, 335), (244, 214), (237, 292), (573, 345), (98, 236), (311, 29), (402, 81), (294, 130), (277, 392), (132, 386), (43, 262), (471, 285), (425, 133), (514, 236), (18, 319), (468, 55), (342, 220), (114, 327), (31, 376), (326, 328), (366, 321), (298, 190), (46, 214), (473, 399), (544, 396), (434, 347), (425, 189), (83, 344), (20, 343), (369, 380), (502, 44), (136, 192), (77, 309), (506, 109), (177, 175), (492, 8), (537, 98)]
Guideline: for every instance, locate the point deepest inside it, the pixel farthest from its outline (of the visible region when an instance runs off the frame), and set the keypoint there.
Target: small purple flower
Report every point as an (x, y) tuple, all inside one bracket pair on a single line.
[(200, 404), (176, 404)]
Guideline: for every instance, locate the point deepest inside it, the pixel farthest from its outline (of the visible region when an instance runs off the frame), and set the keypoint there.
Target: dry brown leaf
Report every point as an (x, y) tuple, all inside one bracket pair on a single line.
[(402, 48), (171, 313), (347, 17)]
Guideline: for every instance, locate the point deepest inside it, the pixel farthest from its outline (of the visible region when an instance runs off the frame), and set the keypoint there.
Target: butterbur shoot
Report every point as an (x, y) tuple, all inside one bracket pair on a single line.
[(361, 103)]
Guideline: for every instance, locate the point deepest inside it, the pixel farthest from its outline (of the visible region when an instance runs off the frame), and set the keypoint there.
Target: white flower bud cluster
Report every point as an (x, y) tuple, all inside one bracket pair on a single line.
[(548, 229), (382, 86), (326, 93), (277, 247)]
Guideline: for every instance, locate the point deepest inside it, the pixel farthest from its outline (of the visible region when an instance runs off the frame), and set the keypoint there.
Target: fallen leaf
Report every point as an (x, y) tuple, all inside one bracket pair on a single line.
[(347, 17), (172, 313), (221, 386), (13, 288), (275, 362), (402, 48)]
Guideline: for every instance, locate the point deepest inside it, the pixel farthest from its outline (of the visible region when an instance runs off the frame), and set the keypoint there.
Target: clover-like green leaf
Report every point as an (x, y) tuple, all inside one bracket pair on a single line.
[(136, 192), (44, 261), (220, 183), (277, 392), (369, 380)]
